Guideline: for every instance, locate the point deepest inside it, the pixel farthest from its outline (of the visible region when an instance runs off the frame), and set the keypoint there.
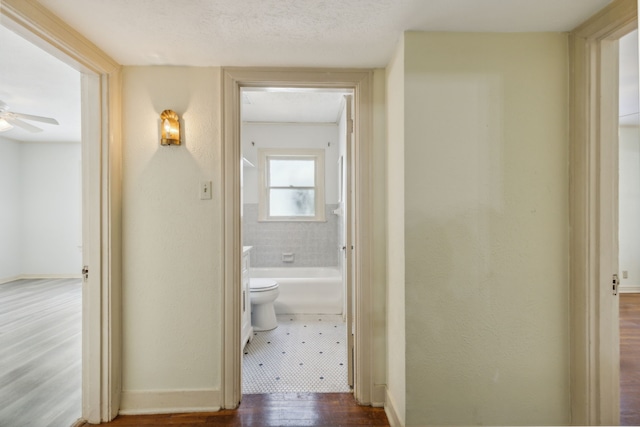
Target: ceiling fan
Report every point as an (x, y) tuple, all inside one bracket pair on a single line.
[(8, 119)]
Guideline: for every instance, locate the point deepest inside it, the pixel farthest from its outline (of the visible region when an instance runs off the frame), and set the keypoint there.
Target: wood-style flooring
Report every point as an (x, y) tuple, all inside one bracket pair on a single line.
[(630, 359), (277, 409), (40, 352)]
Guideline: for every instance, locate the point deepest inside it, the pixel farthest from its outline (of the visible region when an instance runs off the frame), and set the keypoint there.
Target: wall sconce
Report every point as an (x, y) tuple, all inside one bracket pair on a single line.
[(170, 128)]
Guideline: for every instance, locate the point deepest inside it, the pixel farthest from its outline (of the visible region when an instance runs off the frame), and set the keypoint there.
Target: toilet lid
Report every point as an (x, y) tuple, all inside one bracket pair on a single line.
[(260, 284)]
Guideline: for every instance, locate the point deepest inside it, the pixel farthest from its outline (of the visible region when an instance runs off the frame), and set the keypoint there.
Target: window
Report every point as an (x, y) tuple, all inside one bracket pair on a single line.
[(292, 185)]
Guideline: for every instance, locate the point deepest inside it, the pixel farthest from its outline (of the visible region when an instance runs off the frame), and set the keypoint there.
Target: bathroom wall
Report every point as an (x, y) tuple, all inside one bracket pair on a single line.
[(314, 244), (629, 209)]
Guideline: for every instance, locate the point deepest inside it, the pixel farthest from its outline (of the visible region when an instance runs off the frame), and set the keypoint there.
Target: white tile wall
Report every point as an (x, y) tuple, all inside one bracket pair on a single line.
[(314, 244)]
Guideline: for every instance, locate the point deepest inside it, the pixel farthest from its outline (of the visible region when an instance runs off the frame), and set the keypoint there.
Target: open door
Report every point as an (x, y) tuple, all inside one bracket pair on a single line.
[(349, 237)]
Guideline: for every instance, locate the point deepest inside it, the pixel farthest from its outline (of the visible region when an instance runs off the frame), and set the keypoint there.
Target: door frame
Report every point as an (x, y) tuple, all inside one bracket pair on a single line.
[(360, 81), (594, 347), (102, 198)]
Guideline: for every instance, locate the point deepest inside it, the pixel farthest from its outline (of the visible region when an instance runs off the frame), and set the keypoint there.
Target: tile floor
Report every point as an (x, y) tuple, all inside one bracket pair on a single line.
[(305, 353)]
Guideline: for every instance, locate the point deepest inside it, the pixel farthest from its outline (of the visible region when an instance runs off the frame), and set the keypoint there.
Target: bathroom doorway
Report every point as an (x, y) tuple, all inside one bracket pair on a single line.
[(295, 210), (360, 83)]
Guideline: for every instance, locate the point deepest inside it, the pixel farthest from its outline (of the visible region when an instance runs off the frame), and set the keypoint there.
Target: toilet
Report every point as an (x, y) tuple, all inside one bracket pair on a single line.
[(263, 293)]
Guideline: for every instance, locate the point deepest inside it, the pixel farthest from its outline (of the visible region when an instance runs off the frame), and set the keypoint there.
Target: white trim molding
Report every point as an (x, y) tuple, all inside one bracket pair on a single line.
[(378, 395), (40, 276), (629, 289), (169, 401), (594, 359), (233, 79), (390, 410), (10, 279)]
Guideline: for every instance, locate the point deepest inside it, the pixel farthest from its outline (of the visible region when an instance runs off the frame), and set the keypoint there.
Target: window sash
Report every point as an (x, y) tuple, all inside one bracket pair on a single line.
[(269, 155)]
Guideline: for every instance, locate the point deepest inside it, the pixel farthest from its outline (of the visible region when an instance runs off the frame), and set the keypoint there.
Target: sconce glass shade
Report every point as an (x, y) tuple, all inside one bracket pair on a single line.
[(169, 128)]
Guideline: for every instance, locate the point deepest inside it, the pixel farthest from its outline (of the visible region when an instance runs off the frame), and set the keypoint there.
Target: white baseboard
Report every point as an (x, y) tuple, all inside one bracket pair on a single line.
[(629, 289), (169, 401), (390, 410), (9, 279), (50, 276), (40, 276), (378, 395)]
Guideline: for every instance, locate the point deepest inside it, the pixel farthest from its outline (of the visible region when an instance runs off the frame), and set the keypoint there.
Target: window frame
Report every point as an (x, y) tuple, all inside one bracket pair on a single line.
[(265, 155)]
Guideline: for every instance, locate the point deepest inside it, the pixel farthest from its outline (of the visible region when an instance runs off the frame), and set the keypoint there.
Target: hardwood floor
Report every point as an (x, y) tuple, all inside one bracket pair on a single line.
[(629, 359), (278, 409), (40, 352)]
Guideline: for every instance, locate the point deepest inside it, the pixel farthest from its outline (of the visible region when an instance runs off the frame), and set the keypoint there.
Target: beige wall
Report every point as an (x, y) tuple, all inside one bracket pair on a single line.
[(379, 238), (477, 138), (396, 384), (172, 256), (486, 228), (172, 273)]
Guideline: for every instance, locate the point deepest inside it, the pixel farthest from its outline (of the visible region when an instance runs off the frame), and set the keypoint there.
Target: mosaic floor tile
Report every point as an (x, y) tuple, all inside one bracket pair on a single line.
[(305, 353)]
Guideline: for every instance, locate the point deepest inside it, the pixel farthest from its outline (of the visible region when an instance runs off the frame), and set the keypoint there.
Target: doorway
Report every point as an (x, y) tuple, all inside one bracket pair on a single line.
[(295, 182), (595, 370), (629, 228), (360, 83), (41, 247), (101, 216)]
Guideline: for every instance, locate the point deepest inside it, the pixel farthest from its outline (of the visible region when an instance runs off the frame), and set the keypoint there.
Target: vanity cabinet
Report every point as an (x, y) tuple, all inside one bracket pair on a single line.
[(247, 331)]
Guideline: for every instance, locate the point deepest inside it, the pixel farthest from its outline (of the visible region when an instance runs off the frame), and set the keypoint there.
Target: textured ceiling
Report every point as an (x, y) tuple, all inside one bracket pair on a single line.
[(322, 33), (326, 33)]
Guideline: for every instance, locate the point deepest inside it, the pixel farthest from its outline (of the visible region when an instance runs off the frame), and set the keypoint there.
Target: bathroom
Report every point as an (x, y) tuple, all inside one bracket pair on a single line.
[(294, 180)]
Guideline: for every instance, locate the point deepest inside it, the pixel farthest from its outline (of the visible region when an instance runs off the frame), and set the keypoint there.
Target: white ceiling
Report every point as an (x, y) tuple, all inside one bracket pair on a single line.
[(321, 33), (292, 105), (326, 33)]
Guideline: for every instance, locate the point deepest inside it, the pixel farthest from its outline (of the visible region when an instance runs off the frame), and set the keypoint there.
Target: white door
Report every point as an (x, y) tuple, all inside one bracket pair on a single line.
[(91, 292), (608, 235), (349, 237)]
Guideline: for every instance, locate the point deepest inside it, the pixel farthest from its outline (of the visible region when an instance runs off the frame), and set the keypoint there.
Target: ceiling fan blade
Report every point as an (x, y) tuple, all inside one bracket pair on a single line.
[(23, 125), (36, 118)]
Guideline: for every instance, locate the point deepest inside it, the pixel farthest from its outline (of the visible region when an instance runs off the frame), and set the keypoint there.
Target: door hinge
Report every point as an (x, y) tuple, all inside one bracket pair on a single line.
[(350, 126), (85, 272), (616, 282)]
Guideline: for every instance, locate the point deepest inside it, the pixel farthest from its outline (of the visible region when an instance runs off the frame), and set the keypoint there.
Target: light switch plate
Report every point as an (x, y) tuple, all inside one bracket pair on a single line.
[(205, 190)]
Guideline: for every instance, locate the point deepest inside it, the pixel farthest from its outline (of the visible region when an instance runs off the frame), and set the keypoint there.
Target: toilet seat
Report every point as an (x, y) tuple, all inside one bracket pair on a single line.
[(262, 284)]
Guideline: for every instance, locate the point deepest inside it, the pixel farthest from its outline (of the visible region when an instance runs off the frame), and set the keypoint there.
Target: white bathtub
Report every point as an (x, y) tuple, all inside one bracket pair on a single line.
[(313, 290)]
